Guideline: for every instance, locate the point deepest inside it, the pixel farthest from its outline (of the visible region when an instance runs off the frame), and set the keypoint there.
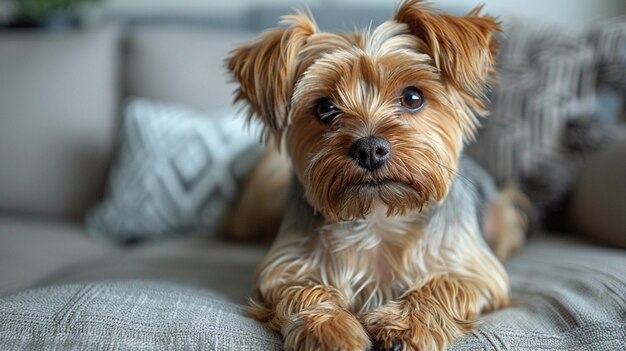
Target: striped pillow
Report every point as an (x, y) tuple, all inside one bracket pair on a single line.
[(547, 78), (558, 101)]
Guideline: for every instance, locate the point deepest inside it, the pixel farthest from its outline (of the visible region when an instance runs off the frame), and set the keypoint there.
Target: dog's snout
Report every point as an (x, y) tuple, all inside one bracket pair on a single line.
[(371, 152)]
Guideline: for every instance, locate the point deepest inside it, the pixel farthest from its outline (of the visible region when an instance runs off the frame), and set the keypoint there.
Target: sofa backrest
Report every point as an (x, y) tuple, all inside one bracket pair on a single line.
[(182, 64), (61, 96), (58, 102)]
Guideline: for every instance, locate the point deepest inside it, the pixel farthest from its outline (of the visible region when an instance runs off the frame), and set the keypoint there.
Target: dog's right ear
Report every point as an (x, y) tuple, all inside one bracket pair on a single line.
[(266, 71)]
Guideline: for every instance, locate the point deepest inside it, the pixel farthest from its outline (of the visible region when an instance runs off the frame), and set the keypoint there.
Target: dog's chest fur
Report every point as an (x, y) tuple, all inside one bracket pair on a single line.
[(371, 260), (374, 260)]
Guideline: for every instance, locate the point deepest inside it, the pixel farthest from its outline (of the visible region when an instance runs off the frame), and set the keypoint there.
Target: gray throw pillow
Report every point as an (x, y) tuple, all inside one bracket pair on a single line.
[(177, 172), (547, 78)]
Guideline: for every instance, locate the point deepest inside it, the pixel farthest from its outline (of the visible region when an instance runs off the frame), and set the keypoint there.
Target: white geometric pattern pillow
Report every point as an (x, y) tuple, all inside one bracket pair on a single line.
[(177, 171)]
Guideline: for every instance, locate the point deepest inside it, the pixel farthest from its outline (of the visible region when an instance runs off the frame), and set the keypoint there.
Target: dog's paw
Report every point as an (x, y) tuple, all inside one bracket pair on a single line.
[(325, 328), (389, 328), (399, 326)]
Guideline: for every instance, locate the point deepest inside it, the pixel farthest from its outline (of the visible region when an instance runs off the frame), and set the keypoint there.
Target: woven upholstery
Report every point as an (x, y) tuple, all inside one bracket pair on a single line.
[(567, 296)]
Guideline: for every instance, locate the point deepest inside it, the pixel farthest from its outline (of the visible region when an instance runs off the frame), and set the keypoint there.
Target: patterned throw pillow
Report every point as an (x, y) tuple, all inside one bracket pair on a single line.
[(177, 172), (557, 102), (547, 78)]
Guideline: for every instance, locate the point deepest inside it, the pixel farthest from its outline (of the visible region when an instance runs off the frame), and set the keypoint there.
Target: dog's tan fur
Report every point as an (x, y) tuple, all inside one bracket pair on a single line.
[(267, 185), (506, 221), (375, 261)]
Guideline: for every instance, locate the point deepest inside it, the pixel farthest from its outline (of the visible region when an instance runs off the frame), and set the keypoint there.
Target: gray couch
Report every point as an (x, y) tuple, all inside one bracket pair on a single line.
[(60, 95)]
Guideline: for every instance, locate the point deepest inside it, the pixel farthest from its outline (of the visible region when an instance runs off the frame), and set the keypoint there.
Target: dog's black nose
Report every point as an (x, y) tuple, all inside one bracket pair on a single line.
[(371, 152)]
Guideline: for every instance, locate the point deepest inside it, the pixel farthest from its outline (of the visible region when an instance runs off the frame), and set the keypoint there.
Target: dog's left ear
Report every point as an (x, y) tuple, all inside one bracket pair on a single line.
[(463, 48)]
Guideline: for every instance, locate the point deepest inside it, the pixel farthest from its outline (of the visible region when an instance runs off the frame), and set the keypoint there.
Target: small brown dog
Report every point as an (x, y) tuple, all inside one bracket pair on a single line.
[(383, 243)]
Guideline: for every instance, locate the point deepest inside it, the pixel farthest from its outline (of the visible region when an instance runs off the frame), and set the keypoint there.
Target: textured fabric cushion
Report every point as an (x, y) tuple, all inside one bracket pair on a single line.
[(177, 172), (181, 64), (58, 103), (225, 268), (598, 205), (547, 77), (130, 315), (566, 296), (32, 249), (609, 40)]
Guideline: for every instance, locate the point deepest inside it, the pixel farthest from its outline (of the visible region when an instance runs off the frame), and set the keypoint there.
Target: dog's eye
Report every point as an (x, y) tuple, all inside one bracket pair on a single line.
[(412, 99), (326, 111)]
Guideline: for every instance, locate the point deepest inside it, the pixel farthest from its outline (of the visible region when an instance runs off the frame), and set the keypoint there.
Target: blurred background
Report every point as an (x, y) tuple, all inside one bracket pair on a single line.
[(574, 13), (116, 126)]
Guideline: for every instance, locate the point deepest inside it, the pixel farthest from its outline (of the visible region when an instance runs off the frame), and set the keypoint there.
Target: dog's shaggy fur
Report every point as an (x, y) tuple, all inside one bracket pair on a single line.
[(392, 257)]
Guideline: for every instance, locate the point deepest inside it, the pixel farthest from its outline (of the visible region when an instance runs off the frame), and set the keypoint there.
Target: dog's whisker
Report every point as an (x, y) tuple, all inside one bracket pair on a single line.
[(458, 174)]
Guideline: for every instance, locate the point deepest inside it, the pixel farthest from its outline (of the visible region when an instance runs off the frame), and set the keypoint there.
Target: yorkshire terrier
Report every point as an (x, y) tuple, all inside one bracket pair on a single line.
[(391, 238)]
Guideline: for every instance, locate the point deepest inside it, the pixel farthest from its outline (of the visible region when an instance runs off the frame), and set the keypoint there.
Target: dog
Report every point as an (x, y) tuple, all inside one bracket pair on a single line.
[(390, 238)]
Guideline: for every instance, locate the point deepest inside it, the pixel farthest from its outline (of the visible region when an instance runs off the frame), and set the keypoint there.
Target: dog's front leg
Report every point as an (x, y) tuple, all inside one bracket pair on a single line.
[(427, 318), (311, 317)]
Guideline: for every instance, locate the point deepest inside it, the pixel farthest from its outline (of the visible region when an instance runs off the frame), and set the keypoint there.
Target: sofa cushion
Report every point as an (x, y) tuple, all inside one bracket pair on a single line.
[(598, 203), (566, 296), (58, 101), (130, 315), (224, 268), (33, 249), (177, 172), (181, 64)]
